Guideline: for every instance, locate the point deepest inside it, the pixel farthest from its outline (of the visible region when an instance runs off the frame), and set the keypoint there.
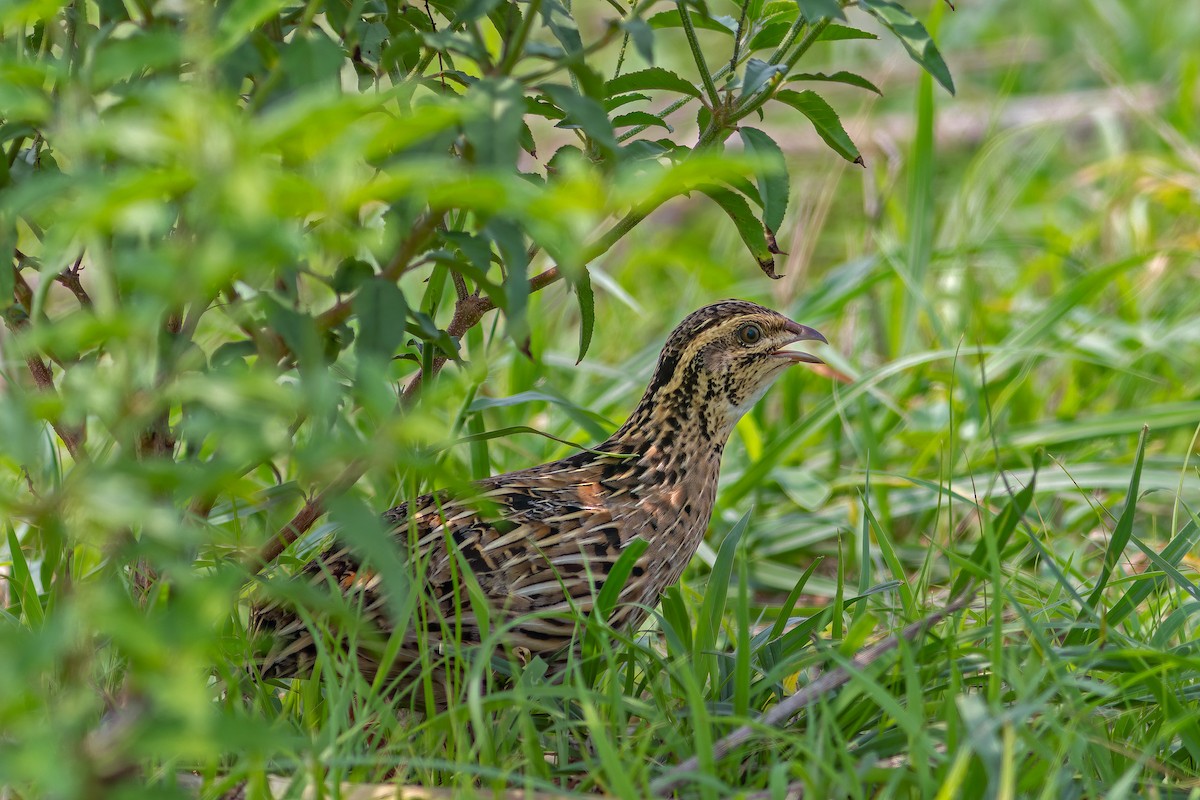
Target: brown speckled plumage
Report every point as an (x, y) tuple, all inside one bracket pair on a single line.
[(544, 539)]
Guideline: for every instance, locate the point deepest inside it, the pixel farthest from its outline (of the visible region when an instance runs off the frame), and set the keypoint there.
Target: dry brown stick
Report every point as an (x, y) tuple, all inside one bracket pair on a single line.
[(781, 714)]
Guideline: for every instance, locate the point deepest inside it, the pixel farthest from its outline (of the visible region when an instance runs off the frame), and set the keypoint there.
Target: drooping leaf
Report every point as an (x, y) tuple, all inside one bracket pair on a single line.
[(759, 73), (511, 243), (824, 119), (585, 113), (382, 312), (771, 176), (912, 34), (494, 131), (748, 227), (642, 36)]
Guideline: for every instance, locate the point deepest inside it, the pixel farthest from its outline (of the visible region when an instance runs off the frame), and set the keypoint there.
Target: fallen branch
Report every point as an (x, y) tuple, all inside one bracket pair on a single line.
[(783, 713)]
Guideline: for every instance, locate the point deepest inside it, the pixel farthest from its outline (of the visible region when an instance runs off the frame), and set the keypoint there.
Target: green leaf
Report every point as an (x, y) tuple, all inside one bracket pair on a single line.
[(671, 19), (838, 33), (560, 22), (816, 10), (913, 36), (630, 118), (1124, 528), (382, 312), (298, 331), (715, 592), (824, 119), (1183, 543), (848, 78), (1001, 532), (495, 131), (587, 312), (474, 9), (241, 18), (618, 576), (510, 241), (586, 113), (759, 73), (748, 227), (651, 78), (350, 274), (642, 36), (616, 102), (771, 177), (22, 581)]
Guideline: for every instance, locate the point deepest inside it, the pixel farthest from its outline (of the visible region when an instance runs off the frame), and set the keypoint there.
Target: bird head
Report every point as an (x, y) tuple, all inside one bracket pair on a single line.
[(721, 359)]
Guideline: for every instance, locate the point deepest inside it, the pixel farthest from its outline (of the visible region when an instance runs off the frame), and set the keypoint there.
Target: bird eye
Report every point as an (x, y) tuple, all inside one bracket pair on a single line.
[(749, 334)]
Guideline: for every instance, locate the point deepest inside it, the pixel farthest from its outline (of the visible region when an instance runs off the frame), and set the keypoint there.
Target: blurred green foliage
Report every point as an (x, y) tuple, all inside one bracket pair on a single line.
[(242, 230)]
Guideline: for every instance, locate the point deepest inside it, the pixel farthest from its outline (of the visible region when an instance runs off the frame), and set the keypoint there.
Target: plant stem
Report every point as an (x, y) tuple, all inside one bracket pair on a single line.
[(759, 100), (705, 76), (514, 47)]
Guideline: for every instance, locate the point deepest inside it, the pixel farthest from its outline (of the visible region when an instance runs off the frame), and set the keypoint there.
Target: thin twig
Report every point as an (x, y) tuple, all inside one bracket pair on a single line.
[(781, 714), (421, 228), (306, 516), (71, 436)]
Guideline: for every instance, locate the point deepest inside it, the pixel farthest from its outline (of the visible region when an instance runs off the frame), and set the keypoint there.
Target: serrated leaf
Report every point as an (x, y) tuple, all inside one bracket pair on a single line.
[(824, 119), (382, 312), (748, 227), (671, 19), (771, 176), (848, 78), (815, 10), (912, 34), (837, 33), (651, 78), (613, 103), (630, 118)]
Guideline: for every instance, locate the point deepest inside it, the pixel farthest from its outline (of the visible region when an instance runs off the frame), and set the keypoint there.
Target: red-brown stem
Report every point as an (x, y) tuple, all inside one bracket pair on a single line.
[(304, 519)]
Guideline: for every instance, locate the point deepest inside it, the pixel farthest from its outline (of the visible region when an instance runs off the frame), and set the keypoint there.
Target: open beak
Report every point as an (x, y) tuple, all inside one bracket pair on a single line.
[(801, 333)]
